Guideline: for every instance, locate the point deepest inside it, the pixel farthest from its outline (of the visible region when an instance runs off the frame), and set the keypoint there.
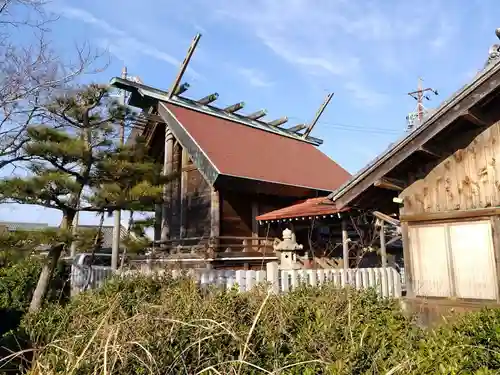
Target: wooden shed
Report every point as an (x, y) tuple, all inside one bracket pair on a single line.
[(232, 167), (445, 178)]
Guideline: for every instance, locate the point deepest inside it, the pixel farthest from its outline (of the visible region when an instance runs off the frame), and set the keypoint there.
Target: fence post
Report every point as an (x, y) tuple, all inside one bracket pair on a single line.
[(273, 276)]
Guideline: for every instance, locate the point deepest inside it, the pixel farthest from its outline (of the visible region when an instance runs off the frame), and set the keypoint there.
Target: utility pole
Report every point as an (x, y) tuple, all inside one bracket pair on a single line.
[(419, 96), (115, 249)]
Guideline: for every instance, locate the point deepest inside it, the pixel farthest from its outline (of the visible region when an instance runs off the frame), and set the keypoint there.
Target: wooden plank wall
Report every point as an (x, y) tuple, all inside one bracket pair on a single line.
[(190, 204), (468, 179), (197, 203), (175, 224), (236, 214)]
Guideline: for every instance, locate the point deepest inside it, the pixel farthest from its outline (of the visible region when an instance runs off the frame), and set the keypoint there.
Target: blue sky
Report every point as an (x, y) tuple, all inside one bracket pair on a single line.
[(287, 55)]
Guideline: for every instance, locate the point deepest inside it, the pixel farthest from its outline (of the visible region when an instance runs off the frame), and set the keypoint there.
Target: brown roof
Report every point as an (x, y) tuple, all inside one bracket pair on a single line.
[(243, 151), (312, 207)]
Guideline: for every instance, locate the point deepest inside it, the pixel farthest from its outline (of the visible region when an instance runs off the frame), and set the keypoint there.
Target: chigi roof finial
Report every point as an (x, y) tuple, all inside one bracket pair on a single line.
[(494, 53)]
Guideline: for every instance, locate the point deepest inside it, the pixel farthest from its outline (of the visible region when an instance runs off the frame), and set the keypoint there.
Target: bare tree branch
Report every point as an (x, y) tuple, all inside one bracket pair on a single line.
[(31, 75)]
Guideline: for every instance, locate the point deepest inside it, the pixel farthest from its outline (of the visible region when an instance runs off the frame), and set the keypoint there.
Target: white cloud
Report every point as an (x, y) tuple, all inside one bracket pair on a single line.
[(365, 95), (124, 46), (254, 77), (314, 63), (443, 36), (343, 40)]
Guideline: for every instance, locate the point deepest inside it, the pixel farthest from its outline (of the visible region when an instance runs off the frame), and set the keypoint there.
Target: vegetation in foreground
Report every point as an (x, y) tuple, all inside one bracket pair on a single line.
[(165, 326)]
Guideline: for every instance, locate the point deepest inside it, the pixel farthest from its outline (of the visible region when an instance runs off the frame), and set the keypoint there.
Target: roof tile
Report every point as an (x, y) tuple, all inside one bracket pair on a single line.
[(246, 152), (310, 207)]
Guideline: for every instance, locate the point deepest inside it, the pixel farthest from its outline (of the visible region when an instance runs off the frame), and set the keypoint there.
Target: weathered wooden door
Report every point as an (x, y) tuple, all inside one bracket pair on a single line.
[(429, 258), (473, 260), (453, 260)]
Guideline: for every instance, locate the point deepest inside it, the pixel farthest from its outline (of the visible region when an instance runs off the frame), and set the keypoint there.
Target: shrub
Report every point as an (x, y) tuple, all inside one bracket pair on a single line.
[(17, 283), (468, 345), (171, 327)]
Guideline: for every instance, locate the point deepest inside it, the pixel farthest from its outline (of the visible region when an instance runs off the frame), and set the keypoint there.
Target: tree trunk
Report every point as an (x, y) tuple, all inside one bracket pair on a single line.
[(45, 277), (48, 268)]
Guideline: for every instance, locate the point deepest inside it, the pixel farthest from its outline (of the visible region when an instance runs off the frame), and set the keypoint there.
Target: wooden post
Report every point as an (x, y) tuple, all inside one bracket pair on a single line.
[(345, 250), (167, 188), (214, 217), (157, 228), (184, 190), (255, 224), (383, 251), (345, 245), (407, 259), (272, 276), (495, 223)]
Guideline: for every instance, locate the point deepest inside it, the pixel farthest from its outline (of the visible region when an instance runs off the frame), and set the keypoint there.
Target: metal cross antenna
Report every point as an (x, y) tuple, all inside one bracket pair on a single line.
[(419, 96)]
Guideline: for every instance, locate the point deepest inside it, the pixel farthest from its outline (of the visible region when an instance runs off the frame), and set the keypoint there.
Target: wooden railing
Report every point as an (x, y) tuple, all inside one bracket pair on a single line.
[(216, 244)]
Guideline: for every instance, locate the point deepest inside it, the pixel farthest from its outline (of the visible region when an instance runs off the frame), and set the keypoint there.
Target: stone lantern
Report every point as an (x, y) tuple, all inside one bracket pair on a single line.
[(287, 250)]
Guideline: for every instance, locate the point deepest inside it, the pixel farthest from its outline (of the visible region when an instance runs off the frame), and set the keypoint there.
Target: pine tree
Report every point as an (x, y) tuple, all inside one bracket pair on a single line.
[(76, 164)]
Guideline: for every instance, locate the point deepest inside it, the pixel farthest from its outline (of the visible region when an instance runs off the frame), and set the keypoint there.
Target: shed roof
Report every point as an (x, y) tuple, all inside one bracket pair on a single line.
[(313, 207), (471, 104), (238, 150)]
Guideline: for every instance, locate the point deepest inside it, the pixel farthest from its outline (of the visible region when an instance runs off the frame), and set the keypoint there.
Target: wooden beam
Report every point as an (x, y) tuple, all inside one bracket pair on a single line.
[(182, 88), (184, 189), (386, 218), (278, 122), (495, 229), (166, 216), (383, 251), (184, 66), (345, 248), (385, 183), (214, 215), (318, 114), (393, 239), (255, 223), (427, 151), (476, 118), (235, 107), (408, 261), (452, 215), (296, 128), (257, 115), (157, 227), (208, 99), (215, 212)]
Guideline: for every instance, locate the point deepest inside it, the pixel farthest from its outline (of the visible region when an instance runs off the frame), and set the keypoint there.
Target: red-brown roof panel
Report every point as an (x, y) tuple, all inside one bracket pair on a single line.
[(242, 151), (310, 207)]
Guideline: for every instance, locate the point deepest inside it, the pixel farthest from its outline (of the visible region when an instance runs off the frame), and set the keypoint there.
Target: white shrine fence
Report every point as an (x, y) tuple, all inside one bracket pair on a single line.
[(387, 281)]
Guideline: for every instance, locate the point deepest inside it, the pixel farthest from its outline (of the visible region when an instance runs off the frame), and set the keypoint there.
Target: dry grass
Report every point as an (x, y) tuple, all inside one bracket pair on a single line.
[(166, 326)]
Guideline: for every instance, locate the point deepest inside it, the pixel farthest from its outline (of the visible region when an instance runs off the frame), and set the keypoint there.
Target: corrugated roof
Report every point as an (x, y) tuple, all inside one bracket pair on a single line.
[(242, 151), (312, 207)]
